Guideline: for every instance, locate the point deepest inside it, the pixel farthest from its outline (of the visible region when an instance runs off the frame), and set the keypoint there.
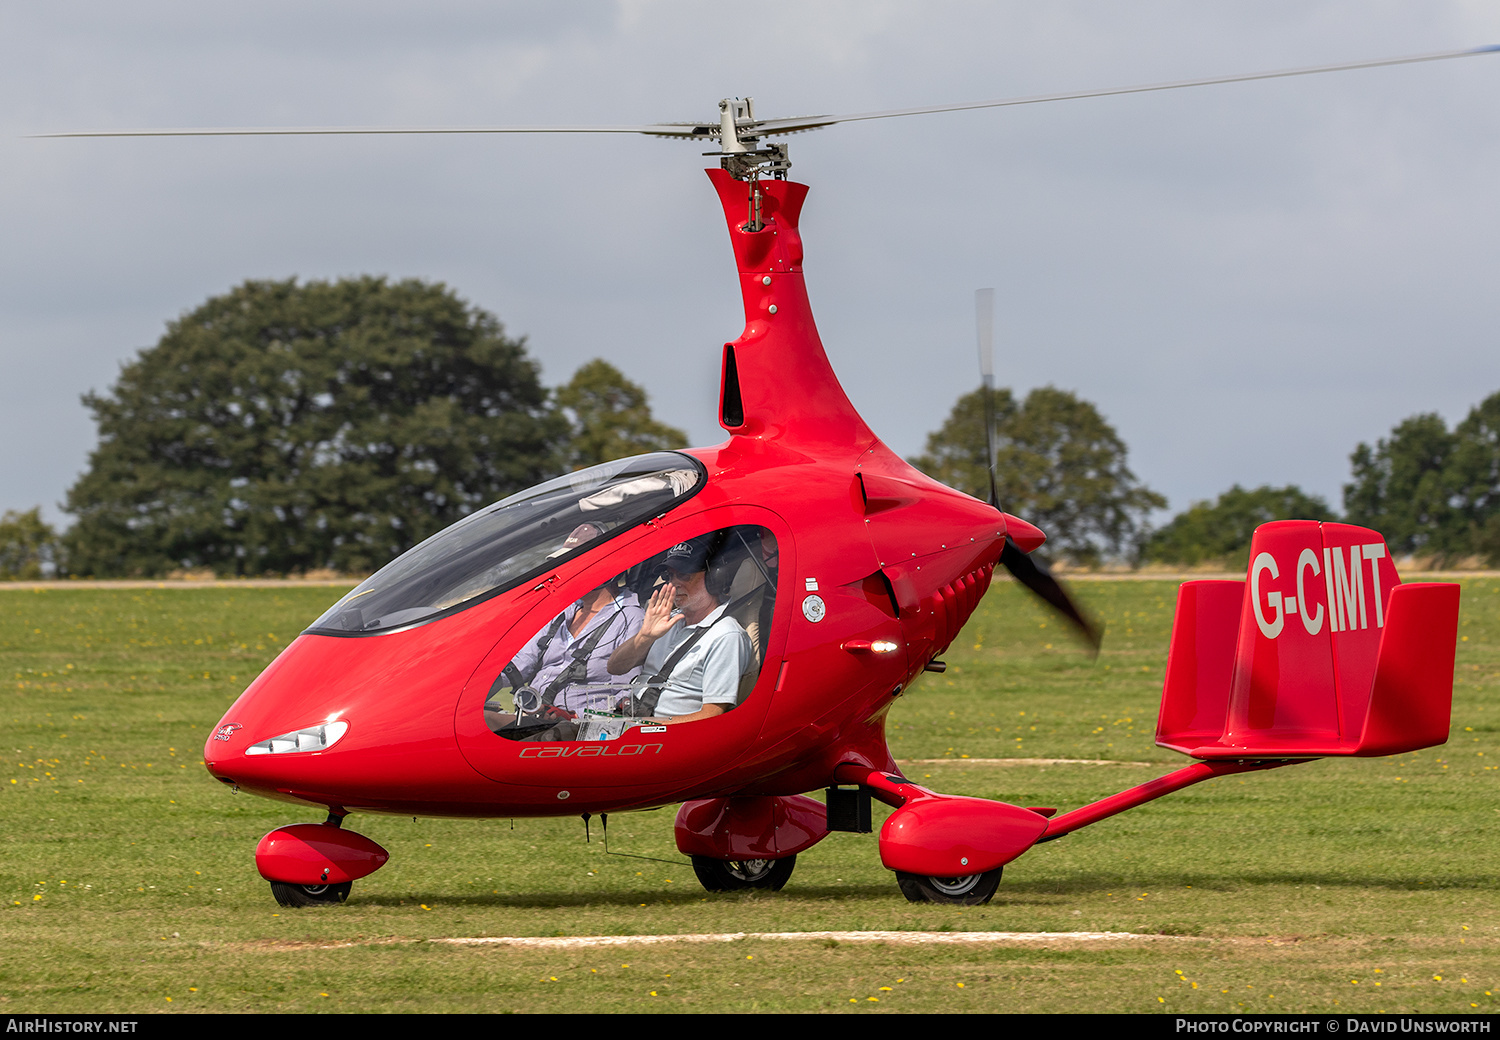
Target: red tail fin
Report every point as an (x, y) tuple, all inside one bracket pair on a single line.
[(1321, 652)]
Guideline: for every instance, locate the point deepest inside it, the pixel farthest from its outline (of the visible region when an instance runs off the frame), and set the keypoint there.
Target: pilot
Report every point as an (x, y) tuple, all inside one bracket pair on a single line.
[(693, 652), (573, 650)]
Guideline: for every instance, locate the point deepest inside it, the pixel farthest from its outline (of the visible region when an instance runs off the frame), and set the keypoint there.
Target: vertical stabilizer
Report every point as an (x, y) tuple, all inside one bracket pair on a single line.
[(1321, 651)]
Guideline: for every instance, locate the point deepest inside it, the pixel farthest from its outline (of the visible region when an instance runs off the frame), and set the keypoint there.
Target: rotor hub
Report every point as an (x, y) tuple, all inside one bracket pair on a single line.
[(740, 150)]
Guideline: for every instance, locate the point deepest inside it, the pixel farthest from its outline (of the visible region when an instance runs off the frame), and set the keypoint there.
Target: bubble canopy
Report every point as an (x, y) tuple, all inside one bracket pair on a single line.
[(512, 540)]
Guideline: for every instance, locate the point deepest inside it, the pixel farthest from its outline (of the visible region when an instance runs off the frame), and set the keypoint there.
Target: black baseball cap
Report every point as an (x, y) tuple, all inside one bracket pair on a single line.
[(687, 557)]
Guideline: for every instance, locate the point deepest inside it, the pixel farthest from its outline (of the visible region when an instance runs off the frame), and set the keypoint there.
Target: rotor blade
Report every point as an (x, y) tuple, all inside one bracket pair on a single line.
[(1039, 580), (781, 126), (682, 130), (771, 127)]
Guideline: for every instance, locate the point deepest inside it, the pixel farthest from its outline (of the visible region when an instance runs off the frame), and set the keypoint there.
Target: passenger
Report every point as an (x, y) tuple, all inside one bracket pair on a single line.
[(576, 647), (564, 670), (692, 650)]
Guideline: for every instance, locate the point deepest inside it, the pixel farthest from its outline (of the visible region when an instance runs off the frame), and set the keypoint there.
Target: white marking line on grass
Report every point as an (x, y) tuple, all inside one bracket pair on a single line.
[(1021, 762), (900, 938)]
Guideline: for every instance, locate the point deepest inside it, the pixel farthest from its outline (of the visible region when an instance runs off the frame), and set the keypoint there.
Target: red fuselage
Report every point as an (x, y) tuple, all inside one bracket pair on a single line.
[(889, 555)]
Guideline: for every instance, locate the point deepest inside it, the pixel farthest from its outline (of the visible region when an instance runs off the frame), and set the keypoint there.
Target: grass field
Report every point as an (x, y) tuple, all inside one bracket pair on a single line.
[(128, 884)]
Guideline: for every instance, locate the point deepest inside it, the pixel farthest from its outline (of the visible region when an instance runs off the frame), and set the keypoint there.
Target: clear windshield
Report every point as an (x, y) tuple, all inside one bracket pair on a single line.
[(512, 540)]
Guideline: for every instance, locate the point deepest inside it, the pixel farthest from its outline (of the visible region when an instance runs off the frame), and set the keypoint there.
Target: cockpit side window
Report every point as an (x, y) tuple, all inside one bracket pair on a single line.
[(609, 663), (515, 539)]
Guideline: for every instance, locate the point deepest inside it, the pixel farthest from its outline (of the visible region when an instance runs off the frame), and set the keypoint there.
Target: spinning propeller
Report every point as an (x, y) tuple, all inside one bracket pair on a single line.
[(1029, 572)]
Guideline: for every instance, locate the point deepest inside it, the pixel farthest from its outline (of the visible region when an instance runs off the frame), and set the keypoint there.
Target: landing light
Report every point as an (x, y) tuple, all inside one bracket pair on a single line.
[(314, 738), (877, 646)]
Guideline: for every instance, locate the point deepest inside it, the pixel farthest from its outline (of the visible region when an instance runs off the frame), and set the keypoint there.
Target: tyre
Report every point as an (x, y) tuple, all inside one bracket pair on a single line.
[(731, 875), (310, 895), (968, 890)]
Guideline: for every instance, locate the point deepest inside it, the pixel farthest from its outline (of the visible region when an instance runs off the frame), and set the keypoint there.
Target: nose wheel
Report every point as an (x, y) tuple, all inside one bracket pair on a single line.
[(731, 875), (966, 890), (316, 864), (310, 895)]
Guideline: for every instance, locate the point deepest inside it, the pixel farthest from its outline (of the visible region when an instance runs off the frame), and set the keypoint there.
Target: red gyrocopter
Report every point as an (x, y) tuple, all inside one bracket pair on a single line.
[(849, 573)]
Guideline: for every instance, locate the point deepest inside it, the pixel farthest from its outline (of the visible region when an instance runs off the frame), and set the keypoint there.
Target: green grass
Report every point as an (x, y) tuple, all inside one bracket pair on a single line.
[(127, 881)]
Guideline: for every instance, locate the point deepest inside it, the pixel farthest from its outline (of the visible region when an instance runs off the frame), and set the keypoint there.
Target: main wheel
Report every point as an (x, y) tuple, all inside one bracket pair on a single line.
[(731, 875), (310, 895), (968, 890)]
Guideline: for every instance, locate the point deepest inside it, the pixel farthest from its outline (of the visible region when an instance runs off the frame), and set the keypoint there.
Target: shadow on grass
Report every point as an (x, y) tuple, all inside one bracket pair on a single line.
[(655, 898), (1041, 894), (1094, 883)]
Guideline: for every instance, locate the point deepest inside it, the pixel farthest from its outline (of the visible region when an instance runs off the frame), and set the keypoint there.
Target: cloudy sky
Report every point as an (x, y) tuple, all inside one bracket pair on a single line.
[(1248, 280)]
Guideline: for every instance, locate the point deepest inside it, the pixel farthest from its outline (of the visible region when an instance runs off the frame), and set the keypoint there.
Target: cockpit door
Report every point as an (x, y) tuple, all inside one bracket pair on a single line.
[(643, 760)]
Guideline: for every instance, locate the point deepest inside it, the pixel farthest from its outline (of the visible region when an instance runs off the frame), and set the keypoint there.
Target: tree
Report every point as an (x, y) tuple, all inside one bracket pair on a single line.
[(1473, 474), (1221, 530), (609, 418), (1400, 487), (284, 427), (28, 545), (1059, 465), (1430, 490)]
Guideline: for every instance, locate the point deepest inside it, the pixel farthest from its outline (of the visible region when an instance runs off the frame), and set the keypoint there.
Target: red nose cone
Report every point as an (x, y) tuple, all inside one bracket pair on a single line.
[(1027, 537)]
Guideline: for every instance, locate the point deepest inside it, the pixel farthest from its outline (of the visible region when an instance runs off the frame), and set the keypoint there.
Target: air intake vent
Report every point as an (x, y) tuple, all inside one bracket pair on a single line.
[(955, 602), (731, 407)]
